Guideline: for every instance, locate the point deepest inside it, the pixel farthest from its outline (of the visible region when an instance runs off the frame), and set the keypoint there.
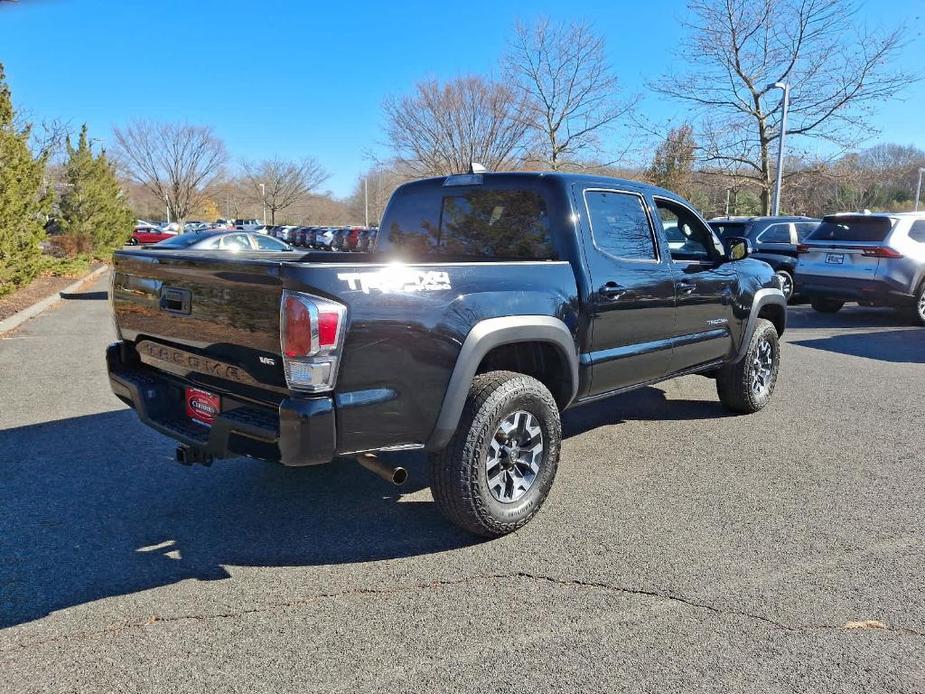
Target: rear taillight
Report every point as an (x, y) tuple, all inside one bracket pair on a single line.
[(882, 252), (311, 336)]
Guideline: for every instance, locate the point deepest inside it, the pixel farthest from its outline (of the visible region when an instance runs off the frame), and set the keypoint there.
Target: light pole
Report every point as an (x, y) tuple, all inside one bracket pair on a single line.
[(918, 189), (366, 196), (167, 203), (780, 148), (263, 196)]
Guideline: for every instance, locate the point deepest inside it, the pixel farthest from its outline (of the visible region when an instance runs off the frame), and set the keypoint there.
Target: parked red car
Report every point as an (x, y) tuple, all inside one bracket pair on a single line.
[(145, 235), (352, 239)]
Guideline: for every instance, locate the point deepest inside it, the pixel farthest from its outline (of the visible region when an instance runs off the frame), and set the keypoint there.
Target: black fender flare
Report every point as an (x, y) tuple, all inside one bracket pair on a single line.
[(482, 338), (763, 297)]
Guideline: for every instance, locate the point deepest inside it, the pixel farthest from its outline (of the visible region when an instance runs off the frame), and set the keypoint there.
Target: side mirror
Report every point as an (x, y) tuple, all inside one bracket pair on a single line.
[(737, 247)]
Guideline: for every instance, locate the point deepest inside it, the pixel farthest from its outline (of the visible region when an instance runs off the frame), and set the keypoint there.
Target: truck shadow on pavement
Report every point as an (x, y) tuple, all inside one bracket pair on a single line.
[(93, 507), (851, 316), (898, 346), (646, 404)]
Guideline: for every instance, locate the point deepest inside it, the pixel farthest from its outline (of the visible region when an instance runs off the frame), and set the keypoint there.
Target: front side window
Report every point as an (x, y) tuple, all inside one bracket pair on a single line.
[(688, 237), (235, 242), (619, 225)]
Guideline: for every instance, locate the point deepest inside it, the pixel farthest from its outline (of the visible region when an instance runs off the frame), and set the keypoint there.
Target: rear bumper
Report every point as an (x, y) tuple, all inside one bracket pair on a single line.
[(878, 291), (299, 432)]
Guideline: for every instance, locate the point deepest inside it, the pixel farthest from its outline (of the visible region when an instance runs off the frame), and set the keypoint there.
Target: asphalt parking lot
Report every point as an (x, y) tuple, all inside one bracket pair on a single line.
[(681, 549)]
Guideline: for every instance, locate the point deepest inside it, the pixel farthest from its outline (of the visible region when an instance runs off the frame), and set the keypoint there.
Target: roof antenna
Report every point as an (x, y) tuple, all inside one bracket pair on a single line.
[(476, 168)]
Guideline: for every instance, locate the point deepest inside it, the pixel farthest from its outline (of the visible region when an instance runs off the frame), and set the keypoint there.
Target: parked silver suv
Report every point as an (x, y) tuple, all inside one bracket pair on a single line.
[(875, 259)]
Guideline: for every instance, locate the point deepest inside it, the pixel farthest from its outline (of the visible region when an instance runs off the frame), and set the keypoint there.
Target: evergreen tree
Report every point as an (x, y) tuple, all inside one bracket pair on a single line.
[(93, 210), (23, 205), (673, 165)]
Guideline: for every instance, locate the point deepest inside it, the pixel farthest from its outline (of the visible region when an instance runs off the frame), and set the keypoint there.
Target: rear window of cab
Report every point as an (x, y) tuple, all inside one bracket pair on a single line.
[(478, 223)]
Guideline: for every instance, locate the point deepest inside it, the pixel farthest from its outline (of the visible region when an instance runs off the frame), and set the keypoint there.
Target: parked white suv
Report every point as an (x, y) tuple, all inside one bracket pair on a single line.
[(875, 259)]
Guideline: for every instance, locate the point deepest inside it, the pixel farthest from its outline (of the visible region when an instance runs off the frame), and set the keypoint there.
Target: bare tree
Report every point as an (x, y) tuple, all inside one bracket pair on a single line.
[(736, 49), (284, 183), (569, 91), (372, 191), (442, 128), (175, 162)]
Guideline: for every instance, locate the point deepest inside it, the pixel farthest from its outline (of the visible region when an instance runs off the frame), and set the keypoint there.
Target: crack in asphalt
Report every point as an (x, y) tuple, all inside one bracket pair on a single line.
[(575, 582)]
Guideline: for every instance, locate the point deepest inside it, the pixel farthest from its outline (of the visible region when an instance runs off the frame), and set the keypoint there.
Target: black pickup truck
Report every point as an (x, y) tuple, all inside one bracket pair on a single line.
[(491, 303)]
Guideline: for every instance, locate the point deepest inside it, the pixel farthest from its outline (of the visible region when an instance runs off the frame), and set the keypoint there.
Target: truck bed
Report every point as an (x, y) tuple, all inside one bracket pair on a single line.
[(405, 328)]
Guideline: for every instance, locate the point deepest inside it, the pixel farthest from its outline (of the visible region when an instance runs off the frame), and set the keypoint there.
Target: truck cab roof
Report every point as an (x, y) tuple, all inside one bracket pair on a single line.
[(526, 177)]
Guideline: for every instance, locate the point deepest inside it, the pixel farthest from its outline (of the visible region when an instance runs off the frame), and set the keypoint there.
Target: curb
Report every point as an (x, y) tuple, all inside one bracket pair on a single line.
[(35, 309)]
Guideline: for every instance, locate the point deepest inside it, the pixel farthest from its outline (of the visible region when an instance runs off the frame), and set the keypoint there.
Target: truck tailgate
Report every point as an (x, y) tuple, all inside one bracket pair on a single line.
[(223, 310)]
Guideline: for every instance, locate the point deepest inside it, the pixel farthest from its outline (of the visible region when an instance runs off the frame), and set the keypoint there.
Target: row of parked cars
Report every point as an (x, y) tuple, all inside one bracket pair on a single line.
[(346, 239), (874, 259)]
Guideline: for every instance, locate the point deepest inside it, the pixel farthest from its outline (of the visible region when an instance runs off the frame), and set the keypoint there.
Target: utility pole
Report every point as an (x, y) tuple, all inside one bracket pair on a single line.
[(167, 203), (780, 148), (263, 196)]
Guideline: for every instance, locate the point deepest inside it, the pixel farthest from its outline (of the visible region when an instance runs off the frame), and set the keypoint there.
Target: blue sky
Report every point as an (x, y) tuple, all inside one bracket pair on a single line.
[(308, 78)]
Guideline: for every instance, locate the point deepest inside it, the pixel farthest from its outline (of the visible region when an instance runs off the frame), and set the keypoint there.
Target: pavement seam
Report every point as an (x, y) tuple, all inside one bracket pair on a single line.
[(575, 582)]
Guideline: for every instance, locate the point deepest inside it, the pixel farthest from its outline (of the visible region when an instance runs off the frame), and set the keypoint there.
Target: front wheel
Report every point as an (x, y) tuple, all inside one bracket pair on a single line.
[(496, 472), (785, 279), (746, 386), (827, 305), (920, 304)]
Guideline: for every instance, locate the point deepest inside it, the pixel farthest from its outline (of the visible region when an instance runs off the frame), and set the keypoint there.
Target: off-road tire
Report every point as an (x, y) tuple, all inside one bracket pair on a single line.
[(734, 381), (827, 305), (458, 472)]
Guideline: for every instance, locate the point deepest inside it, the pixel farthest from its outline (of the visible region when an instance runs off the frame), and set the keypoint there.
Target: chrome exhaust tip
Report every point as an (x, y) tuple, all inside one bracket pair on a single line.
[(396, 475)]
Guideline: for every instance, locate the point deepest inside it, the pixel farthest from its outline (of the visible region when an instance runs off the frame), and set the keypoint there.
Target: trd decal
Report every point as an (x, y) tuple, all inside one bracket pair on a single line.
[(397, 280)]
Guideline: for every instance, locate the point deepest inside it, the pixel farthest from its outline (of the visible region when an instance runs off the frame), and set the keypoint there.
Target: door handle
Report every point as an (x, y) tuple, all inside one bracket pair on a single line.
[(685, 287), (611, 291)]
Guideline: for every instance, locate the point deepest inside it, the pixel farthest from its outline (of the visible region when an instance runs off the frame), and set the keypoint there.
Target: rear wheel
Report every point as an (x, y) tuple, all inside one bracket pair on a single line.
[(496, 472), (786, 283), (827, 305), (747, 385)]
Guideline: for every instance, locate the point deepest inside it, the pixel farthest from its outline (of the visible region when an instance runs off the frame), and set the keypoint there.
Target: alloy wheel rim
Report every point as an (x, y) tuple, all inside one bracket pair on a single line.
[(514, 458), (922, 304), (762, 370), (786, 284)]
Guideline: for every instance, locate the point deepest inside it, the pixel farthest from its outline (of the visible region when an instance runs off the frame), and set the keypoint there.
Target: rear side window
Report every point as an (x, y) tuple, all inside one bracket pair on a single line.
[(469, 223), (804, 229), (873, 229), (917, 231), (619, 225), (776, 233)]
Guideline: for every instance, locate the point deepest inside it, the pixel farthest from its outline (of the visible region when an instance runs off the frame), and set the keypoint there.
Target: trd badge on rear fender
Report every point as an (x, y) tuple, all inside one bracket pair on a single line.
[(398, 279)]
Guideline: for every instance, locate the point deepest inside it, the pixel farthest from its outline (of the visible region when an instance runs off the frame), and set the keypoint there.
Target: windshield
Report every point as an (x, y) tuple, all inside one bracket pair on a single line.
[(181, 240), (727, 229), (840, 228)]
